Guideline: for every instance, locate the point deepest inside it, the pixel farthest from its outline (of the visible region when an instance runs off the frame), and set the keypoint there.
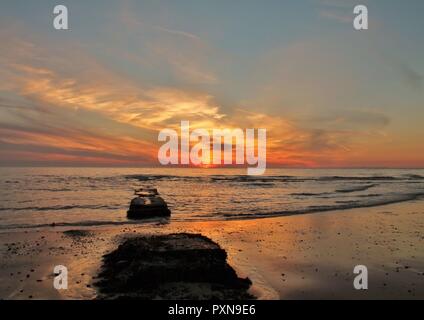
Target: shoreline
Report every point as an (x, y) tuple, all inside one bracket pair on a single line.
[(227, 217), (308, 256)]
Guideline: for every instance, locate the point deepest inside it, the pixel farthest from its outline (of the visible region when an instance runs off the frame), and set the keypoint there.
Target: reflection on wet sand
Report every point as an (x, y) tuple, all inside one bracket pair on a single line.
[(298, 257)]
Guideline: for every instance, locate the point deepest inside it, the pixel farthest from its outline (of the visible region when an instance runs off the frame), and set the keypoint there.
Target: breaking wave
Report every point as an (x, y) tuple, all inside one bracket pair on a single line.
[(317, 209), (93, 196)]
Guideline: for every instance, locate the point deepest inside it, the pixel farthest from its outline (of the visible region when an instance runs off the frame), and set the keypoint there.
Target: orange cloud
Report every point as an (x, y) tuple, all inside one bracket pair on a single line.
[(53, 80)]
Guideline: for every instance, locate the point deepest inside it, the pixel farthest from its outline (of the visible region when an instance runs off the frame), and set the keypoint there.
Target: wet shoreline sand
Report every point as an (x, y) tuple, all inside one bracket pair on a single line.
[(309, 256)]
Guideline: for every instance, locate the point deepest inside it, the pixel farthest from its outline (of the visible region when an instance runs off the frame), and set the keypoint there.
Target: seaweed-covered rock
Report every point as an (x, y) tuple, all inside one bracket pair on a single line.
[(174, 266)]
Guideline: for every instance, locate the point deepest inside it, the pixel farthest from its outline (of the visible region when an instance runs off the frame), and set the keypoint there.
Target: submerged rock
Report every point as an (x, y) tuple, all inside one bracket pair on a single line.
[(77, 233), (174, 266), (147, 204)]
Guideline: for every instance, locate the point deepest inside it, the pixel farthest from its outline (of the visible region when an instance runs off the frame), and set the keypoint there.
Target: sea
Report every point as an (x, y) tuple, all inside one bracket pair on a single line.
[(43, 197)]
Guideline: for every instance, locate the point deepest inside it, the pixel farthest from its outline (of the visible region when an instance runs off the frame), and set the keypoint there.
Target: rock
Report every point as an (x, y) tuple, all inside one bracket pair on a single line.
[(174, 266), (77, 233)]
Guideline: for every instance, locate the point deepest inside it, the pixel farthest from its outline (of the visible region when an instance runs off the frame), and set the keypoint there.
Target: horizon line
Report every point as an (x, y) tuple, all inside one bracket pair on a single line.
[(208, 168)]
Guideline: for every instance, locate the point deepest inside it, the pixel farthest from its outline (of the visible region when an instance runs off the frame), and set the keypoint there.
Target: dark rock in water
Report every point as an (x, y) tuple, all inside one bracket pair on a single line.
[(147, 204), (175, 266), (148, 207)]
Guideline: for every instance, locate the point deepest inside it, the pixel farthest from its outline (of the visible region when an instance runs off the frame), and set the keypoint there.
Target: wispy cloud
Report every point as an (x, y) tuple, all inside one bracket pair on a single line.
[(412, 77), (102, 92), (336, 16), (184, 52), (66, 104), (178, 33), (339, 11)]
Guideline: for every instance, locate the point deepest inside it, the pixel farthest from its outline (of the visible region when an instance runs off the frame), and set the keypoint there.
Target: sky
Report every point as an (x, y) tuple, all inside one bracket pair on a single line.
[(99, 93)]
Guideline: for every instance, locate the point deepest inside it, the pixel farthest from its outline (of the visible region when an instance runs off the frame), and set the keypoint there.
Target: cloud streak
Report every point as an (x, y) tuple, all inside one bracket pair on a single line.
[(65, 105)]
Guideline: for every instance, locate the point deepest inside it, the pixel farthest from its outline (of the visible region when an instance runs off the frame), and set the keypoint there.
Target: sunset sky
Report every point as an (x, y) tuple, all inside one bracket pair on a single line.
[(99, 93)]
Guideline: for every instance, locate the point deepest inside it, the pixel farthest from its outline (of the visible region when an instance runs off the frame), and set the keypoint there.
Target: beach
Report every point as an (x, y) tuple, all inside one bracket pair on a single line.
[(199, 150), (307, 256)]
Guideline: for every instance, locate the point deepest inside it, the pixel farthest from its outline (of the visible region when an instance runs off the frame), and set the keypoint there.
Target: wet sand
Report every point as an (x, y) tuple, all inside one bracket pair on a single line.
[(309, 256)]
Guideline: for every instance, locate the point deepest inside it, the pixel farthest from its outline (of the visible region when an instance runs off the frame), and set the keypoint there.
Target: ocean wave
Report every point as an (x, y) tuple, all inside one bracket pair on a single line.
[(66, 207), (156, 177), (261, 184), (324, 208), (282, 178), (358, 178), (202, 197), (89, 223), (356, 188), (247, 178), (369, 195), (414, 176), (309, 194), (340, 205)]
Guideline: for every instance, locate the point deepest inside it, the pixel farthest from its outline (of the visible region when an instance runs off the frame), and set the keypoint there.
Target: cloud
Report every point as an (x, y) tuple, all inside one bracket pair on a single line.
[(184, 53), (350, 119), (46, 91), (57, 82), (412, 78), (336, 16), (178, 33), (150, 108), (339, 11), (346, 4), (69, 107), (43, 140)]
